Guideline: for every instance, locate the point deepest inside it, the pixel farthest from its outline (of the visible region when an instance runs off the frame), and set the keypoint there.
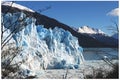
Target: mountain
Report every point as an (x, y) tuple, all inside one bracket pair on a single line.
[(84, 41), (116, 36), (33, 48), (38, 42), (88, 30), (98, 35), (14, 5)]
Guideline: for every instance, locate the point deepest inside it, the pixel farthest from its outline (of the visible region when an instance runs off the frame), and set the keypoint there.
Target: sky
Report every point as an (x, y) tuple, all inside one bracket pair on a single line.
[(96, 14)]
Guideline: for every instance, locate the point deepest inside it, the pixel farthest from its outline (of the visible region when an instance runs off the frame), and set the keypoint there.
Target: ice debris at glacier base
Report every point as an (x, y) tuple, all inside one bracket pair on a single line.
[(41, 48)]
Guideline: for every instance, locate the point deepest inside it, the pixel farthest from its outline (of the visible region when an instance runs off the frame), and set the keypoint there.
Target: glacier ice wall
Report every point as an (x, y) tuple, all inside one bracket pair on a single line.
[(41, 48)]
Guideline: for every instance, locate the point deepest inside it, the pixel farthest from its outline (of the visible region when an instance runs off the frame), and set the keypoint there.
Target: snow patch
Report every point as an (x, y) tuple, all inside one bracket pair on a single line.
[(16, 6), (88, 30)]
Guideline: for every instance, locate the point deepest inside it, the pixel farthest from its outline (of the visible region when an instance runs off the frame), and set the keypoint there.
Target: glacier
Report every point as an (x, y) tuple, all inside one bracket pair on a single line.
[(41, 48)]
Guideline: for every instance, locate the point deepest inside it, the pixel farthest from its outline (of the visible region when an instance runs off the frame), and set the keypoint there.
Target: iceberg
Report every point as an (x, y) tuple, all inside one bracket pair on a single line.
[(41, 48)]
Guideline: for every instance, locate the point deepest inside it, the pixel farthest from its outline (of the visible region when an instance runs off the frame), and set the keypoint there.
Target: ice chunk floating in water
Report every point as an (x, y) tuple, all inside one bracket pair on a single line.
[(42, 48)]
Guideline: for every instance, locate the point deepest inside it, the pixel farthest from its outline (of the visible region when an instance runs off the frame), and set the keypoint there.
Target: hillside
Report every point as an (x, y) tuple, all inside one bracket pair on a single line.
[(84, 41)]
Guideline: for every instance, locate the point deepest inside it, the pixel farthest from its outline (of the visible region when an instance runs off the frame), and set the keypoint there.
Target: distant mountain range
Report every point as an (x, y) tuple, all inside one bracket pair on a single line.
[(89, 30), (99, 35), (88, 37), (116, 36)]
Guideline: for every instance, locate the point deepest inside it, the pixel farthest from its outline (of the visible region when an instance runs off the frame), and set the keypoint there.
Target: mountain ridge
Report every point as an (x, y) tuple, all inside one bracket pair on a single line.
[(116, 36), (89, 30), (98, 35), (84, 41)]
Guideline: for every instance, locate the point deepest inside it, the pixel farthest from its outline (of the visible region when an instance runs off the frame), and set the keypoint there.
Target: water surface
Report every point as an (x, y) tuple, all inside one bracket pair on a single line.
[(100, 53)]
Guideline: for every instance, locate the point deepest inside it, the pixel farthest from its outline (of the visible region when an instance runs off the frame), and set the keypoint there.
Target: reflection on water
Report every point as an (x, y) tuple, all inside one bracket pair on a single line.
[(100, 53)]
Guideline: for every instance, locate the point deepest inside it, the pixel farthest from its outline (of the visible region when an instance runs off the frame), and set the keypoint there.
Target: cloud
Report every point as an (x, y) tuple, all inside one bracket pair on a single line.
[(114, 12)]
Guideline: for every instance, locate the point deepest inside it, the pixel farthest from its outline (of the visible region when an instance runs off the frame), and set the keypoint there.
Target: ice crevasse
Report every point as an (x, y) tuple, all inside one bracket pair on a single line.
[(41, 48)]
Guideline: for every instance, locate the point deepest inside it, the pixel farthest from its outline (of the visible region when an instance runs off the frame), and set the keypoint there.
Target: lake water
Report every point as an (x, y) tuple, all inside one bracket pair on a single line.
[(100, 53)]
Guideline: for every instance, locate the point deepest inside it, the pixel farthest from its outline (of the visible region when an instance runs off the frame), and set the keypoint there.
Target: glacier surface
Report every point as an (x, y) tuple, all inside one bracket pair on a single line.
[(41, 48)]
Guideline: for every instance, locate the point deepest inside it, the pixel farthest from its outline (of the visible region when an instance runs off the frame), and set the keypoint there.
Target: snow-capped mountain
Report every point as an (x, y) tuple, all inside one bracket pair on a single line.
[(98, 35), (88, 30), (84, 41), (41, 48)]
